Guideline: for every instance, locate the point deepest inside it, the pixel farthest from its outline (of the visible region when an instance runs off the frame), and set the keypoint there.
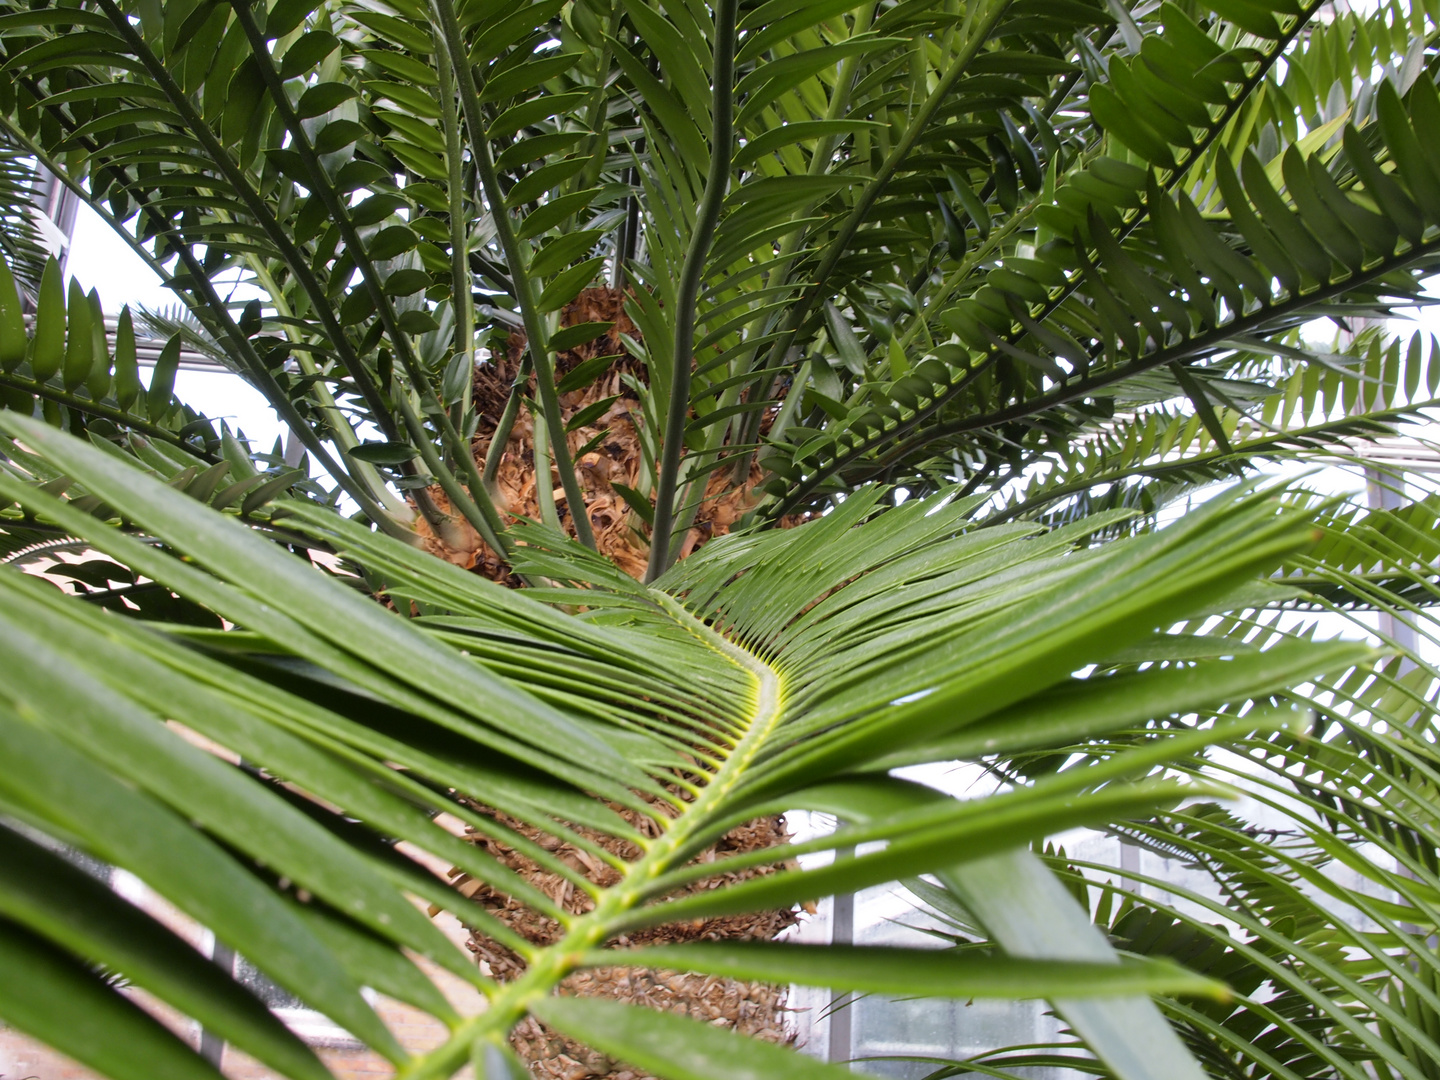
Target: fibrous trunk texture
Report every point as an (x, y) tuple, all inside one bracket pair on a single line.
[(607, 449)]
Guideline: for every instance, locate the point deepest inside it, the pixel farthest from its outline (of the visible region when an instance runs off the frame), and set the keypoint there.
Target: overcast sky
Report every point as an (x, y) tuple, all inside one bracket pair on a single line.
[(100, 260)]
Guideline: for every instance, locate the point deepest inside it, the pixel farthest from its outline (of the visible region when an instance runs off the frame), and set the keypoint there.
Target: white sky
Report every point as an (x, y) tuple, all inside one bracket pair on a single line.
[(102, 261)]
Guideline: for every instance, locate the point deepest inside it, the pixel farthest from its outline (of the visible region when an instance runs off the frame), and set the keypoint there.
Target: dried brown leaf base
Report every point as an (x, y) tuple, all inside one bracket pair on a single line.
[(615, 459), (751, 1008)]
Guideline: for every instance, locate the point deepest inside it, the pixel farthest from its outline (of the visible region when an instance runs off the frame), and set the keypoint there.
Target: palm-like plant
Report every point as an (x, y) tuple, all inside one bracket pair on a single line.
[(791, 669), (917, 242), (1030, 264)]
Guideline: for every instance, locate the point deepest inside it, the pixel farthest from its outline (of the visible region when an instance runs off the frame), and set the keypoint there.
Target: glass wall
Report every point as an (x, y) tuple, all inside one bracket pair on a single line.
[(907, 1030)]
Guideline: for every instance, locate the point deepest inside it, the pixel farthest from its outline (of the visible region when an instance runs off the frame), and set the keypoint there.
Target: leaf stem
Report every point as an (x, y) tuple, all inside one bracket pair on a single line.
[(707, 215), (106, 412), (544, 492), (506, 423), (820, 162), (342, 434), (459, 499), (462, 301), (253, 202), (339, 212), (984, 24), (1286, 315), (353, 486), (1279, 444), (537, 341), (1219, 124)]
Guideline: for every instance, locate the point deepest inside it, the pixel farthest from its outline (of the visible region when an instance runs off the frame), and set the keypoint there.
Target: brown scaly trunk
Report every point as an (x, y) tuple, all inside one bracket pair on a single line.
[(754, 1009), (615, 459)]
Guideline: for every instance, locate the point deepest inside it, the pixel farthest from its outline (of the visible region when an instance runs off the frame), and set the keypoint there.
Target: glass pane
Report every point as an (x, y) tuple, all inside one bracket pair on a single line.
[(919, 1026)]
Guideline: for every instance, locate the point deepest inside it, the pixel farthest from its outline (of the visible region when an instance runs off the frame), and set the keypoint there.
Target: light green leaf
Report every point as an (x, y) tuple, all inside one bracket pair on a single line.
[(925, 973), (47, 347), (675, 1047)]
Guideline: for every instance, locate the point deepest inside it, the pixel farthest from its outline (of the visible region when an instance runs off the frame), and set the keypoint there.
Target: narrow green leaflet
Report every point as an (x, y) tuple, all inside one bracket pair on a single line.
[(947, 973), (1091, 707), (50, 782), (234, 552), (676, 1047), (54, 899)]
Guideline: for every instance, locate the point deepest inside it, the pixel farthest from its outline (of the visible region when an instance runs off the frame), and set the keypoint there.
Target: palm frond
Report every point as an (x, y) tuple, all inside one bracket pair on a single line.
[(727, 693)]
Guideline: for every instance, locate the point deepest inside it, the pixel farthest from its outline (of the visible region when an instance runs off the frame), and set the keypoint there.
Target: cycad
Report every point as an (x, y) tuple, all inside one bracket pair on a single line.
[(1022, 263), (764, 673), (1312, 899), (951, 244)]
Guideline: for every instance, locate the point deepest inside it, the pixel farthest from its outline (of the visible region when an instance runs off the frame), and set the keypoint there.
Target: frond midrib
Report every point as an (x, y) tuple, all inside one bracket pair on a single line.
[(551, 965)]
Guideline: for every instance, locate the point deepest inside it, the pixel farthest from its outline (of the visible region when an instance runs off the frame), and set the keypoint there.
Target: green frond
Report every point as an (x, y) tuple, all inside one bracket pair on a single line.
[(972, 299), (696, 704)]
